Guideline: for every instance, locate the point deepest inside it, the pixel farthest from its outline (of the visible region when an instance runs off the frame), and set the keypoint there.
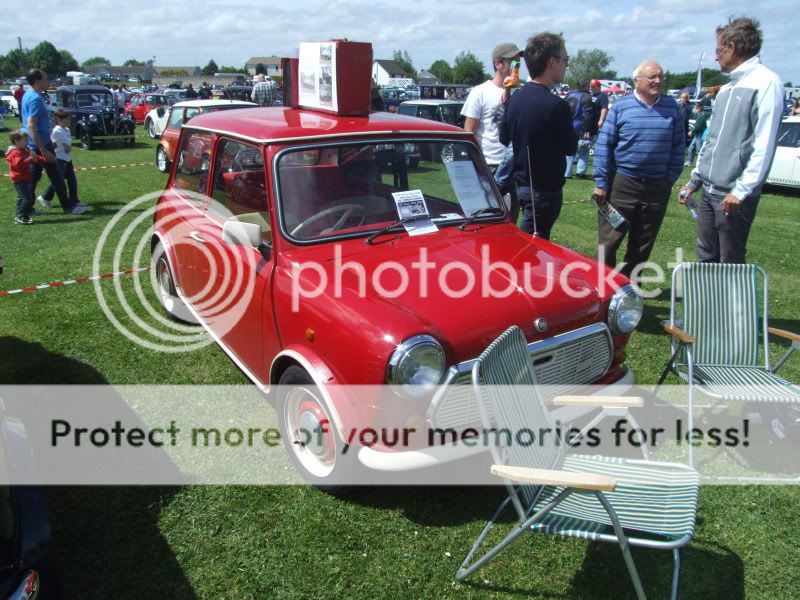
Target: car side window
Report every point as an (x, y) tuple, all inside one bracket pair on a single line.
[(789, 135), (176, 117), (194, 163), (191, 113), (240, 185)]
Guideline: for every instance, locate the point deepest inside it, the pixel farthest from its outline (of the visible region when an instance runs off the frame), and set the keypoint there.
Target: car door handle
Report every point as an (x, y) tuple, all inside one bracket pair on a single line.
[(196, 237)]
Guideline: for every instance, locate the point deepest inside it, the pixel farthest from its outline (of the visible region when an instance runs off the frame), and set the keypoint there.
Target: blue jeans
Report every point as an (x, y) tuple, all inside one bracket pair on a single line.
[(24, 198), (582, 153), (503, 173), (694, 149), (539, 208)]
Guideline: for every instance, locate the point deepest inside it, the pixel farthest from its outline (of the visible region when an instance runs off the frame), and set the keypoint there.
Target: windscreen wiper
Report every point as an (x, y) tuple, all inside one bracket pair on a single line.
[(409, 219), (489, 210)]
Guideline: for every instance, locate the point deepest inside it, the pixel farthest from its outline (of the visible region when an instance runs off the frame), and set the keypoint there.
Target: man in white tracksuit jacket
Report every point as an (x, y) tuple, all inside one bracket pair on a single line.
[(735, 159)]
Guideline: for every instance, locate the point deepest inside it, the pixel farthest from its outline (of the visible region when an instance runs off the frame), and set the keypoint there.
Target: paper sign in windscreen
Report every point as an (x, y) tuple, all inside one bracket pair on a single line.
[(467, 186), (412, 204)]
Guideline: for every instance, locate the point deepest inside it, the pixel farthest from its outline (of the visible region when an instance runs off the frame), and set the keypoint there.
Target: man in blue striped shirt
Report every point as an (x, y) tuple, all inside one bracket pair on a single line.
[(637, 159)]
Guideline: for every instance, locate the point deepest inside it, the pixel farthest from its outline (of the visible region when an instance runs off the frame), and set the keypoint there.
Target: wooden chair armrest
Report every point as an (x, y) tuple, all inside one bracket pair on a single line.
[(604, 401), (581, 481), (678, 333), (784, 334)]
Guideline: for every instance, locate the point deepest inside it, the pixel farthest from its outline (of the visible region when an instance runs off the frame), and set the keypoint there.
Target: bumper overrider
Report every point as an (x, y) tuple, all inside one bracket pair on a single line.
[(580, 357)]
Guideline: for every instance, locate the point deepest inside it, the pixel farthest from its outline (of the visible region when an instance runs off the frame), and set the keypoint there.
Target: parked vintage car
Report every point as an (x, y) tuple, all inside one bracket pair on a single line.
[(166, 123), (141, 104), (237, 92), (785, 170), (257, 195), (95, 117), (444, 111), (7, 98)]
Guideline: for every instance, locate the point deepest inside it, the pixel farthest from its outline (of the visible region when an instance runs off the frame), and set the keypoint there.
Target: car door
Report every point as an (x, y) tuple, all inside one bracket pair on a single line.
[(187, 202), (236, 279)]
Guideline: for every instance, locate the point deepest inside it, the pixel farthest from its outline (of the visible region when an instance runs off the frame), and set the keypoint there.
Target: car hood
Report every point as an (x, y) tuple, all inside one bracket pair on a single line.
[(516, 280)]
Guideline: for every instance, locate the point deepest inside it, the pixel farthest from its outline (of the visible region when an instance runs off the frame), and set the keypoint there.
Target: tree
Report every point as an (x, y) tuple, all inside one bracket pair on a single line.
[(468, 69), (95, 61), (710, 77), (404, 60), (14, 63), (589, 64), (261, 69), (230, 69), (132, 62), (210, 68), (45, 56), (442, 70), (68, 62)]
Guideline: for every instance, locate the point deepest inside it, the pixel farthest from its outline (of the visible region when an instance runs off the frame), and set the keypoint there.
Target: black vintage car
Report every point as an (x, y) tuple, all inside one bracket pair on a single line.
[(237, 92), (94, 115)]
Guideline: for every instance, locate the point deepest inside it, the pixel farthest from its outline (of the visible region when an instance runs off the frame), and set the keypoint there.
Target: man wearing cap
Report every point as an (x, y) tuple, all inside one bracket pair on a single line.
[(600, 102), (486, 103)]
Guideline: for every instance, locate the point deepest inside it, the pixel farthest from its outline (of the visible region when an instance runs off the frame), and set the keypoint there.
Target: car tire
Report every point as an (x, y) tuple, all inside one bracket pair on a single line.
[(87, 143), (311, 439), (162, 161), (171, 303), (150, 126)]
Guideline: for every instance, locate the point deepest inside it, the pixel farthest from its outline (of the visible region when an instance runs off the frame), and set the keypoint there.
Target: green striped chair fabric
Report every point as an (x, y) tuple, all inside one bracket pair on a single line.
[(722, 308), (654, 504)]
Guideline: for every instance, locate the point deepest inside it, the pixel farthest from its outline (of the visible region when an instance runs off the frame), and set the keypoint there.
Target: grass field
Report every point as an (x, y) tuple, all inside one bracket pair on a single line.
[(297, 542)]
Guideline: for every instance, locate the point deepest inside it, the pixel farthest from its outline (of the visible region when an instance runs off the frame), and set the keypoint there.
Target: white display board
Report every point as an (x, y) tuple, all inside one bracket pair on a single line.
[(317, 73)]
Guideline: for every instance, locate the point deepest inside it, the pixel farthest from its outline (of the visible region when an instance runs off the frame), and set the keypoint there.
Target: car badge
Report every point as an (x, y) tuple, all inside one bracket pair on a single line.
[(540, 324)]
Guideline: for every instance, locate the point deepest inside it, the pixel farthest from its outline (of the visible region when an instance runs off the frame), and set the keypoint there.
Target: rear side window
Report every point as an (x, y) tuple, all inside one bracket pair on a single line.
[(193, 164), (176, 117), (240, 185)]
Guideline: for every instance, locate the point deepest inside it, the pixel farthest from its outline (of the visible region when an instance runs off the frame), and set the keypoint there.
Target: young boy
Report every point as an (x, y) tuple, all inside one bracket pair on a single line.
[(19, 160), (62, 142)]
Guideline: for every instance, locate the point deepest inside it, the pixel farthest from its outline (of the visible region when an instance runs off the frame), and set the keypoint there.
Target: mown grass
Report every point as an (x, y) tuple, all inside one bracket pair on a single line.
[(297, 542)]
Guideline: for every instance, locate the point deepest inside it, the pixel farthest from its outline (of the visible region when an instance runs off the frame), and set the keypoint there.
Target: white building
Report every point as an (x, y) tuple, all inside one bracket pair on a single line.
[(388, 73)]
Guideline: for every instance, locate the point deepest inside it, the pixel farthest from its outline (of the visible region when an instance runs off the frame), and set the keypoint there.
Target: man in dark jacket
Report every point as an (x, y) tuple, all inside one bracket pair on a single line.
[(584, 122), (539, 124)]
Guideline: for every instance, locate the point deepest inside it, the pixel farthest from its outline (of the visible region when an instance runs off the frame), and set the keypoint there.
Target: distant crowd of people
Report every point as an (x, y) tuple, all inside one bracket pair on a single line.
[(530, 138)]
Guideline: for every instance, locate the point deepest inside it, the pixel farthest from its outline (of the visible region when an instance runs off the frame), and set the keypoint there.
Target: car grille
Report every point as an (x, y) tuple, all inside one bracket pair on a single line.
[(563, 363), (108, 123)]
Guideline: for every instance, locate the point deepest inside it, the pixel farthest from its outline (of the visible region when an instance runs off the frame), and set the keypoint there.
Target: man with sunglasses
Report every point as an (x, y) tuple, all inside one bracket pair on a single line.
[(539, 123), (735, 159)]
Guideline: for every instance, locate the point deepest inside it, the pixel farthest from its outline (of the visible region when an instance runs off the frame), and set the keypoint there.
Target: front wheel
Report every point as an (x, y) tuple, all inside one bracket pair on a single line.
[(309, 434), (86, 141), (168, 297), (162, 161)]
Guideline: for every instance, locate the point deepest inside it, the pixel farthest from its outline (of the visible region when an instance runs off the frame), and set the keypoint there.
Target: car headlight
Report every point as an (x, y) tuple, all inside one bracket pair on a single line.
[(625, 310), (417, 365), (93, 118)]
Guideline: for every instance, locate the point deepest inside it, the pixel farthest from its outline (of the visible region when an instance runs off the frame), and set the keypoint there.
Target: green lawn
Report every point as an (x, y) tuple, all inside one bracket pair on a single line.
[(296, 542)]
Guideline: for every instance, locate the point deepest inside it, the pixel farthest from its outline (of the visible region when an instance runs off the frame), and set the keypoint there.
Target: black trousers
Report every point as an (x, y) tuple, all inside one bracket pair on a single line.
[(643, 203), (539, 210), (723, 238)]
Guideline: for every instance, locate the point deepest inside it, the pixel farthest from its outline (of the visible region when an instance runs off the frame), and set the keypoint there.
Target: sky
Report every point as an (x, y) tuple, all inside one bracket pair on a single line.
[(190, 32)]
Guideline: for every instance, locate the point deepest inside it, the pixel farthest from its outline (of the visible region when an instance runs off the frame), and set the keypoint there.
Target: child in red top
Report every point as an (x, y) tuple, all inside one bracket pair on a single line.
[(19, 160)]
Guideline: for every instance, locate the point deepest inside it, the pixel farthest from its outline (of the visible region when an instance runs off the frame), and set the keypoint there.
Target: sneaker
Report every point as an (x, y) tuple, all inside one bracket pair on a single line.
[(78, 209), (44, 202), (687, 164), (23, 220)]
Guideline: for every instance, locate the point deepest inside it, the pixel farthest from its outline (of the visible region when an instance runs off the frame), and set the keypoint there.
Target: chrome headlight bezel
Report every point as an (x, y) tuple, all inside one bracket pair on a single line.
[(625, 310), (417, 365), (93, 118)]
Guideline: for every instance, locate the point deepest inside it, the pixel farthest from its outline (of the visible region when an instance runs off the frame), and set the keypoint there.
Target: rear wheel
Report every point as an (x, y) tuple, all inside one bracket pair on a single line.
[(151, 128), (162, 161), (310, 436)]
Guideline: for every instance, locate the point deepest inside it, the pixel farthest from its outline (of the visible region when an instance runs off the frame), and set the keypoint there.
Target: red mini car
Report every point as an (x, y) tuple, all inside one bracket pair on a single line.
[(141, 104), (296, 238)]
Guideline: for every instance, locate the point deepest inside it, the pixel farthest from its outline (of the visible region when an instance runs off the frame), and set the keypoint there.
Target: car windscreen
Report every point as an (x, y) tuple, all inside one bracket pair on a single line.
[(358, 188), (451, 113), (93, 99), (789, 135)]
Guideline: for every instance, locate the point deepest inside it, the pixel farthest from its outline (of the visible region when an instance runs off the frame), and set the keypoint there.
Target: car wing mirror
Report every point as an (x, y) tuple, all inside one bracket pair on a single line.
[(160, 111), (237, 233)]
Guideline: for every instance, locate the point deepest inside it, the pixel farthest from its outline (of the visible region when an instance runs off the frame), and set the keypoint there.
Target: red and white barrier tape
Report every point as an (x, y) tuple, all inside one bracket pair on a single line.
[(56, 284), (145, 164)]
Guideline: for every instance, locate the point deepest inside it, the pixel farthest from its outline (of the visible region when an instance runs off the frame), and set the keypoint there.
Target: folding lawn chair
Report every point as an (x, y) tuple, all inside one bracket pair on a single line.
[(720, 335), (627, 502)]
